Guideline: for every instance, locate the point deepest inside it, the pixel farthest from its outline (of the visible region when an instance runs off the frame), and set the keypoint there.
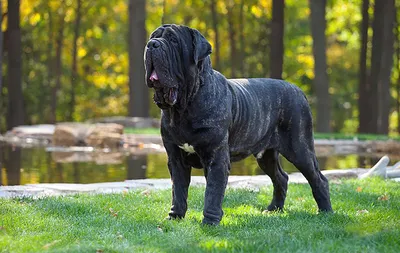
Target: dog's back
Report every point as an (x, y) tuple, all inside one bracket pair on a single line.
[(260, 105)]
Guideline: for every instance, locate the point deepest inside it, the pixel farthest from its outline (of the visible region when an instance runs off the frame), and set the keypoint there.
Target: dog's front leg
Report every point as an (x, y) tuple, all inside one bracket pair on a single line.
[(217, 166), (180, 176)]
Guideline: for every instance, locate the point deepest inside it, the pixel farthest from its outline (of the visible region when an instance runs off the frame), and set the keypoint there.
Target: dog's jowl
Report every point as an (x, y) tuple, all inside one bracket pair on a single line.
[(209, 121)]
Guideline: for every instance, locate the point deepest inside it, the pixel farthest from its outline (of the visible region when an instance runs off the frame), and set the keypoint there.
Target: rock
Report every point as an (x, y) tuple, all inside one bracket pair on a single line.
[(339, 174), (43, 130), (105, 135), (97, 135), (96, 157), (388, 147), (393, 174), (36, 135), (69, 134), (379, 169)]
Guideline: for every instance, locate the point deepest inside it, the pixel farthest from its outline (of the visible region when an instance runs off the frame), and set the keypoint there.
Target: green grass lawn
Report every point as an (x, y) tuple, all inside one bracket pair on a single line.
[(331, 136), (142, 131), (367, 219)]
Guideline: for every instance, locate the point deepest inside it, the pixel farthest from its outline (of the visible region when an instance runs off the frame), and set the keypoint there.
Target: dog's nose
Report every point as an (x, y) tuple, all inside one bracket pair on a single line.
[(153, 43)]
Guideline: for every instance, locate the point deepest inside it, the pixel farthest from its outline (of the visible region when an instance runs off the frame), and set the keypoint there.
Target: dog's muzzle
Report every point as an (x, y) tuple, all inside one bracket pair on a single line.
[(165, 97)]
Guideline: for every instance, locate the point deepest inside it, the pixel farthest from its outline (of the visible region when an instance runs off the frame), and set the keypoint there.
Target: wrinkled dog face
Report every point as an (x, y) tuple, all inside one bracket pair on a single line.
[(171, 55)]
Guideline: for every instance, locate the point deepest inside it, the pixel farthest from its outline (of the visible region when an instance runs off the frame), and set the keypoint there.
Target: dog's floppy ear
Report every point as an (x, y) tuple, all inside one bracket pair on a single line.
[(201, 47)]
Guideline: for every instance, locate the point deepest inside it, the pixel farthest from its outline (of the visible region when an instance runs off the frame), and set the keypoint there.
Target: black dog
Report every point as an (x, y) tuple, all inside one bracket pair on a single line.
[(209, 121)]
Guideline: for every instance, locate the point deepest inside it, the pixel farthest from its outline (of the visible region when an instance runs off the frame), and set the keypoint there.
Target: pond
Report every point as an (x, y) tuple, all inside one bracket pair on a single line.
[(21, 166)]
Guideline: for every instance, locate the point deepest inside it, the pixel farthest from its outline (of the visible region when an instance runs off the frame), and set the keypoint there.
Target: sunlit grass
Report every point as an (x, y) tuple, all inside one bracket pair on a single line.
[(142, 131), (362, 137), (367, 219), (330, 136)]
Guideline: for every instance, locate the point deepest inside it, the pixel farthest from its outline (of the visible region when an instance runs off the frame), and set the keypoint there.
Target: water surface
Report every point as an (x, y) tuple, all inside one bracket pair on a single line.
[(21, 166)]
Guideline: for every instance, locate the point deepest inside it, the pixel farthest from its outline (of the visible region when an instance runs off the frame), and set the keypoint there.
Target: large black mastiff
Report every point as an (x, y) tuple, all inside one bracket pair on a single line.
[(209, 121)]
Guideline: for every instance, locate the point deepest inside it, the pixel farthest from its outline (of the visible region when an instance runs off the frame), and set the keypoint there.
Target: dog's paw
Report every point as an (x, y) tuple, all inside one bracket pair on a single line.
[(274, 208), (174, 217), (209, 222), (326, 211)]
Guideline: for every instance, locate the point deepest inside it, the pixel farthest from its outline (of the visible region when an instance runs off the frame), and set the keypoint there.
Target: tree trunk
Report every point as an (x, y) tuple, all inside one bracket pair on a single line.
[(74, 73), (386, 67), (216, 51), (1, 163), (15, 96), (1, 52), (321, 82), (276, 40), (13, 162), (267, 48), (376, 53), (241, 39), (164, 13), (136, 167), (397, 25), (57, 70), (381, 61), (138, 91), (50, 62), (232, 41), (364, 105)]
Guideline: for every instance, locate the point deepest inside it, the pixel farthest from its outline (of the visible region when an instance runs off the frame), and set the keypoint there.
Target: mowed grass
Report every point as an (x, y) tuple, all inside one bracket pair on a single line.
[(329, 136), (366, 219)]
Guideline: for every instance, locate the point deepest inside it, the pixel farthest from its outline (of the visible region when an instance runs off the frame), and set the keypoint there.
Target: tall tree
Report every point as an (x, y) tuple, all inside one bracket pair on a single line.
[(216, 50), (386, 67), (364, 105), (1, 50), (57, 68), (138, 92), (232, 39), (321, 81), (164, 13), (241, 39), (276, 40), (381, 64), (13, 164), (50, 61), (397, 38), (74, 68), (15, 96)]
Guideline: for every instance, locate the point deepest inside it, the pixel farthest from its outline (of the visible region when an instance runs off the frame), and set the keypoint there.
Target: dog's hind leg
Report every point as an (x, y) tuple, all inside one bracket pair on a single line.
[(306, 162), (269, 163), (297, 146)]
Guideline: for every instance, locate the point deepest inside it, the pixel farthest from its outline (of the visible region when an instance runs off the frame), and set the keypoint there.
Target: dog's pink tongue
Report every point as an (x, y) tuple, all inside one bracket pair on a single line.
[(153, 76)]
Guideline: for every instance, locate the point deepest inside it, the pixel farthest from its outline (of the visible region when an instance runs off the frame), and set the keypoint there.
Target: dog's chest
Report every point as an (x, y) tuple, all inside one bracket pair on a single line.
[(183, 137), (188, 148)]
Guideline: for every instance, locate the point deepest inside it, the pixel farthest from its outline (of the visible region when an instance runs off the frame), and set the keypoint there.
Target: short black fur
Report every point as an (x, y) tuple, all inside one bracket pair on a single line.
[(226, 120)]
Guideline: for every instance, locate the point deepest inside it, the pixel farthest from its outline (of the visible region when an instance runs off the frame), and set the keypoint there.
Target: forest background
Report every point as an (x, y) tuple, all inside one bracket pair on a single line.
[(74, 60)]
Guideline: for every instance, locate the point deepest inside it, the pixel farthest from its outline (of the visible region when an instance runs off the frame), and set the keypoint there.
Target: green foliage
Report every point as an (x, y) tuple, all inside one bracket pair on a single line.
[(366, 219), (102, 83)]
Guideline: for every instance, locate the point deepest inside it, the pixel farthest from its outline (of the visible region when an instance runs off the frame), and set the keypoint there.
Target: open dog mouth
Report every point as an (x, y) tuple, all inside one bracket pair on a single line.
[(164, 97)]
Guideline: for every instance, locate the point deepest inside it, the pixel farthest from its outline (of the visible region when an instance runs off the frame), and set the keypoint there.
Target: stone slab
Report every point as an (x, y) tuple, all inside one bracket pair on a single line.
[(242, 182)]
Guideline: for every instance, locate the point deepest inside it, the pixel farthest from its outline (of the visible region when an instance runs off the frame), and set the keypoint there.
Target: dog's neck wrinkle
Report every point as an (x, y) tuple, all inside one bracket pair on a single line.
[(198, 81)]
